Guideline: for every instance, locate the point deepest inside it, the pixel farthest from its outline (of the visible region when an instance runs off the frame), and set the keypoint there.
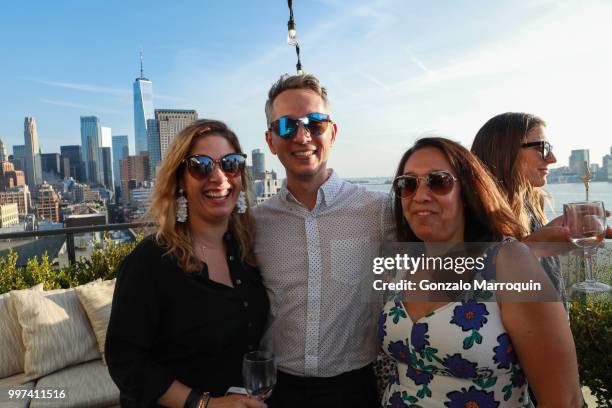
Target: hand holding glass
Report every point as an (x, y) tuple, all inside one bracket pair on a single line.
[(259, 374), (586, 222)]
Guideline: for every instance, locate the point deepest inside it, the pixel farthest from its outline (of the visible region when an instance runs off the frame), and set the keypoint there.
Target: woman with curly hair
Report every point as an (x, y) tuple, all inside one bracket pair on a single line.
[(189, 302)]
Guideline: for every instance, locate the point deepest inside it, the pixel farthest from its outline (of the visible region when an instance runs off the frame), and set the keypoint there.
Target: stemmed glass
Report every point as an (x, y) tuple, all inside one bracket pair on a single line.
[(259, 374), (586, 221)]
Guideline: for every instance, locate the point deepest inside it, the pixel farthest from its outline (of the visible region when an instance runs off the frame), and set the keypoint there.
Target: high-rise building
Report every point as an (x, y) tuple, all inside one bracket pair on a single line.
[(19, 157), (51, 163), (33, 170), (259, 164), (107, 164), (19, 195), (143, 110), (83, 193), (3, 152), (120, 152), (75, 161), (47, 203), (134, 169), (9, 215), (9, 177), (577, 159), (91, 149), (166, 125)]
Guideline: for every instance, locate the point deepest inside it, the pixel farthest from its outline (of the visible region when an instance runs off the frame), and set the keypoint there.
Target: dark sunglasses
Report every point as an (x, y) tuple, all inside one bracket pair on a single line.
[(201, 166), (439, 182), (545, 148), (315, 123)]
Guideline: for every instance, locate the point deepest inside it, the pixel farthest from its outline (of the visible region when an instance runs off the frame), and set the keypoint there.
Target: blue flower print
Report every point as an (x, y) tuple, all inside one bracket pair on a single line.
[(460, 367), (472, 398), (396, 401), (419, 377), (419, 337), (399, 351), (470, 315), (517, 378), (382, 320), (504, 352)]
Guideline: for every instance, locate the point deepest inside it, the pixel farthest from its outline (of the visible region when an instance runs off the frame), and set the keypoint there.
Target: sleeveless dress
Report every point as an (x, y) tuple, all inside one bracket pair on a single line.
[(459, 355)]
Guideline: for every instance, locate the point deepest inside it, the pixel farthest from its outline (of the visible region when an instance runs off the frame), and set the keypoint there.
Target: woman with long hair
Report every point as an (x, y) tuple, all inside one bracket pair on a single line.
[(188, 302), (470, 347), (515, 149)]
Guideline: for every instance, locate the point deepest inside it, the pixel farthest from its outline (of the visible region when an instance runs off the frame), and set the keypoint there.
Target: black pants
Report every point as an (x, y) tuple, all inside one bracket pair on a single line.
[(355, 389)]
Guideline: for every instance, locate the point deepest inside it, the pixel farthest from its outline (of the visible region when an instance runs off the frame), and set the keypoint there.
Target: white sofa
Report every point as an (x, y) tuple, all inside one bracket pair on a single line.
[(54, 341)]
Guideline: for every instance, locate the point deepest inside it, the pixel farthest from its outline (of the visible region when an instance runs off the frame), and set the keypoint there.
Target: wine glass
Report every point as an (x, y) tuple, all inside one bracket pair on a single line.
[(586, 221), (259, 374)]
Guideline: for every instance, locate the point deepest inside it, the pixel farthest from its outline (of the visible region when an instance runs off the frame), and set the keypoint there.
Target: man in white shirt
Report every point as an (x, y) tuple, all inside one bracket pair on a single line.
[(314, 242)]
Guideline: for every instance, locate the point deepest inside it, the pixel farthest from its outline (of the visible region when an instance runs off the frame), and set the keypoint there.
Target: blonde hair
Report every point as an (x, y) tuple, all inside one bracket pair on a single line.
[(175, 236)]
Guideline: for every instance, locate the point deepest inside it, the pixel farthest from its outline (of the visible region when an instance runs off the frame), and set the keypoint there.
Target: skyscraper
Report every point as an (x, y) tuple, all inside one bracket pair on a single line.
[(577, 159), (3, 152), (120, 152), (91, 149), (77, 166), (167, 124), (19, 157), (259, 164), (33, 168), (51, 163), (143, 110), (107, 162)]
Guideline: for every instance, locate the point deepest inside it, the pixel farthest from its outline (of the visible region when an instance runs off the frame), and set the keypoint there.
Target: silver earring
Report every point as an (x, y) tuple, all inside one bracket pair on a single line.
[(181, 207), (241, 204)]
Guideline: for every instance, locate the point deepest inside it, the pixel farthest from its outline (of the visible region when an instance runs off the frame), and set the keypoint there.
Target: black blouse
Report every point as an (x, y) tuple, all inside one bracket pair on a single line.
[(168, 325)]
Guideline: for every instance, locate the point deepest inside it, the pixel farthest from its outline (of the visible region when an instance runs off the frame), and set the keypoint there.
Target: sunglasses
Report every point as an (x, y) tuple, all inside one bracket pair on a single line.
[(439, 182), (201, 166), (545, 148), (315, 123)]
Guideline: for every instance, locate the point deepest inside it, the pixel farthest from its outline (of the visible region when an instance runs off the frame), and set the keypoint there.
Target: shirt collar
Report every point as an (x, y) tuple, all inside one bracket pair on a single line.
[(329, 190)]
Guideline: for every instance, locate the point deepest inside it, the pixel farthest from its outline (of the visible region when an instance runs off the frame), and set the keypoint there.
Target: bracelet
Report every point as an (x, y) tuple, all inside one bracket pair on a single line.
[(204, 400), (194, 399)]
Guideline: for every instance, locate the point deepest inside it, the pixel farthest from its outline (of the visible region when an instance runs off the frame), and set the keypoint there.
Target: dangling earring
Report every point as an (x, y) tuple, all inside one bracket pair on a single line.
[(241, 204), (181, 207)]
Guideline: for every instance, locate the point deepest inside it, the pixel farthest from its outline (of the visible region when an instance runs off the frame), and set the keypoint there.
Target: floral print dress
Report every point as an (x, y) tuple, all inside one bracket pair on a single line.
[(459, 355)]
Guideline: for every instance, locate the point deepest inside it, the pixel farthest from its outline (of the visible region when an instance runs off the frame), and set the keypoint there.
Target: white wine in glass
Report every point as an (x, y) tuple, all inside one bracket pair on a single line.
[(586, 221)]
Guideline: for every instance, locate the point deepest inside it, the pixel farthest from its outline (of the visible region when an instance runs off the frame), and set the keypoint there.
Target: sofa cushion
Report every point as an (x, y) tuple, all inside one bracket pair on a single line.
[(14, 383), (55, 329), (12, 350), (96, 298), (85, 385)]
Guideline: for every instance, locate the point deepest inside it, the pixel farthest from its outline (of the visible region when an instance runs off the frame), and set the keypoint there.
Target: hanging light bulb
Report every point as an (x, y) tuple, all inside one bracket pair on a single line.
[(291, 33)]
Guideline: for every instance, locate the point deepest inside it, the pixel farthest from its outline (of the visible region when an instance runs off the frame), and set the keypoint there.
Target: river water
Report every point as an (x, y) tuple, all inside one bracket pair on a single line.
[(560, 193)]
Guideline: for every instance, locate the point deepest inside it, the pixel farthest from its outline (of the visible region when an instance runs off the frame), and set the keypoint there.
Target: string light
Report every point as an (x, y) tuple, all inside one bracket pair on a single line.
[(292, 37)]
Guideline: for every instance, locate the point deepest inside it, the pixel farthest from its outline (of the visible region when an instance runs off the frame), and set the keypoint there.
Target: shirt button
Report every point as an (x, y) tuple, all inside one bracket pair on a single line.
[(238, 281), (231, 257), (246, 304)]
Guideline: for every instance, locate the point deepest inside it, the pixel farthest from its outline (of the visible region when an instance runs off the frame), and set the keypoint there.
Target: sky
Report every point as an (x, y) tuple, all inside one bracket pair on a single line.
[(395, 70)]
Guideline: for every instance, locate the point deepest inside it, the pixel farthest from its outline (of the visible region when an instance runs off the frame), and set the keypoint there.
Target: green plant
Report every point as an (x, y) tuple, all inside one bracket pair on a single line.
[(103, 264), (591, 322)]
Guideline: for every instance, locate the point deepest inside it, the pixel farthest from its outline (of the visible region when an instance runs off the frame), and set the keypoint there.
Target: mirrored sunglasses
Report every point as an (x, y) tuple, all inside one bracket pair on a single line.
[(315, 123), (201, 166)]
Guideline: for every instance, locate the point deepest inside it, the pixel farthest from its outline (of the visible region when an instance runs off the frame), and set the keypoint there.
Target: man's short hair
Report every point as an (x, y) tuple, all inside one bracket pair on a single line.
[(286, 81)]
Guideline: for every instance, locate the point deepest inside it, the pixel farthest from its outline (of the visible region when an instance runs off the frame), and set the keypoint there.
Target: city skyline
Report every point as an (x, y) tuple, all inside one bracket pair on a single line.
[(394, 71)]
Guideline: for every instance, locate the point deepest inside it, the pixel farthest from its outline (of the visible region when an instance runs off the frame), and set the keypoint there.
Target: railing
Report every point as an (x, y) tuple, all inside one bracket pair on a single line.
[(71, 231)]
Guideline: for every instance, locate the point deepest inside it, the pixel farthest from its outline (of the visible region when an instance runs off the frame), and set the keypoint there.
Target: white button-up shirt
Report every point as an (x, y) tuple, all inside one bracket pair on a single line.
[(314, 264)]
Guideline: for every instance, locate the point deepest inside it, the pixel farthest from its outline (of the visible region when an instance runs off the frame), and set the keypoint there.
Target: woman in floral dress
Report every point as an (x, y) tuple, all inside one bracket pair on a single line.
[(475, 352)]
